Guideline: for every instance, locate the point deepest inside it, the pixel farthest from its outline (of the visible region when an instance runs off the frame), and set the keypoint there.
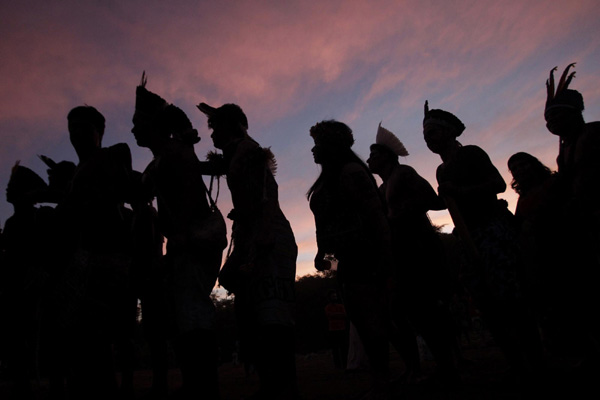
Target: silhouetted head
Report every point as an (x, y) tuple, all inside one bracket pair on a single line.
[(527, 171), (564, 106), (227, 122), (24, 186), (385, 151), (86, 128), (333, 150), (380, 157), (155, 120), (332, 140), (440, 129)]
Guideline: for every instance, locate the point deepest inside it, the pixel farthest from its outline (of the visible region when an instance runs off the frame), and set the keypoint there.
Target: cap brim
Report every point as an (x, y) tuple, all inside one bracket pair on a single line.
[(206, 109)]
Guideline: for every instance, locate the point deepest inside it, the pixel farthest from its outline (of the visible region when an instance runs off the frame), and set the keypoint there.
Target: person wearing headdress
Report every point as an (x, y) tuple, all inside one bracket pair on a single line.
[(422, 282), (351, 226), (26, 243), (96, 248), (469, 184), (261, 269), (578, 192), (193, 256), (578, 161)]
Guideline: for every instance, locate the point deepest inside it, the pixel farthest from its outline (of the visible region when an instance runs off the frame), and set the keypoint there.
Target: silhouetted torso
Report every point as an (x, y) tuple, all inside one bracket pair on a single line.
[(346, 212), (471, 168), (98, 190)]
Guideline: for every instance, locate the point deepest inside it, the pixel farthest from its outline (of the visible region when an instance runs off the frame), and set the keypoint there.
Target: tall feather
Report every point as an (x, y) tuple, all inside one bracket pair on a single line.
[(15, 168), (550, 85), (144, 79), (562, 84)]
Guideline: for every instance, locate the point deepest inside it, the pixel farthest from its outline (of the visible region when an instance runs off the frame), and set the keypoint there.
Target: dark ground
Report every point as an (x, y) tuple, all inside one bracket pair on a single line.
[(485, 377)]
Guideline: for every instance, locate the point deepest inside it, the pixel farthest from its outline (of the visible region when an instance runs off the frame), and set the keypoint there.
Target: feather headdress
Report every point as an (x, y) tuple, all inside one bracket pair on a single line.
[(443, 118), (563, 84), (388, 139), (562, 96), (147, 103)]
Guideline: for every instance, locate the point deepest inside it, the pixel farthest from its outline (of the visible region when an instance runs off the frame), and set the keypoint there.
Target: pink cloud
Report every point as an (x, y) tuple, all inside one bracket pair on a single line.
[(277, 58)]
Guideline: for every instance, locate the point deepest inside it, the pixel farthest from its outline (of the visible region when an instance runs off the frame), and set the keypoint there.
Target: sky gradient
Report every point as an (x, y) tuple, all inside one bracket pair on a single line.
[(289, 65)]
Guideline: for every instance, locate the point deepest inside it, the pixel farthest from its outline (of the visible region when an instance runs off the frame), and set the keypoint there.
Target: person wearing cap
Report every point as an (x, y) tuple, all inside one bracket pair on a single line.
[(193, 257), (422, 284), (261, 269), (576, 241), (351, 226), (469, 184)]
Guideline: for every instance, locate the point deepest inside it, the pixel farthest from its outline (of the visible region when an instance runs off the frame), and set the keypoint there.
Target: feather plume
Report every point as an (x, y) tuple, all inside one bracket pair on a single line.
[(563, 84), (48, 161), (271, 161), (389, 140), (15, 167), (550, 84), (144, 79)]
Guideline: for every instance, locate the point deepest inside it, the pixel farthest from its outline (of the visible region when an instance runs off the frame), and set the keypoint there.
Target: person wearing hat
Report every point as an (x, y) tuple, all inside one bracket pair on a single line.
[(469, 184), (422, 283), (351, 227), (25, 247), (193, 257), (576, 241), (261, 269)]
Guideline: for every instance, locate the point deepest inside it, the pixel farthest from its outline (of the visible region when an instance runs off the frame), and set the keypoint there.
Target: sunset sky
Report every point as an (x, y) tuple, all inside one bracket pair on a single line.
[(290, 64)]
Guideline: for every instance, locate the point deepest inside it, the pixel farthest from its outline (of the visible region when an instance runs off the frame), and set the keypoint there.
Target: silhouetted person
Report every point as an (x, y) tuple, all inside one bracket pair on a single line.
[(52, 347), (536, 215), (578, 183), (351, 225), (422, 286), (192, 260), (24, 276), (148, 279), (469, 184), (98, 248), (261, 269), (337, 329)]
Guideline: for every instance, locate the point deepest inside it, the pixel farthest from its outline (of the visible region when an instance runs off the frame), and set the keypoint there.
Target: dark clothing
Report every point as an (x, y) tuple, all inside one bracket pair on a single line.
[(94, 290), (422, 280), (350, 221), (351, 224), (26, 274), (191, 265), (261, 269), (92, 208), (470, 169), (493, 277)]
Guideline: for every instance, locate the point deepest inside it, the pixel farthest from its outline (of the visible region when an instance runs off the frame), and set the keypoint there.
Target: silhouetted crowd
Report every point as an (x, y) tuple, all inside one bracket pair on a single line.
[(72, 274)]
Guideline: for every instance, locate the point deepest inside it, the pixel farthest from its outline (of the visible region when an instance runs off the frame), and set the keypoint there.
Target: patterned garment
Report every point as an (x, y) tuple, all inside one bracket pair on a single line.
[(497, 275)]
